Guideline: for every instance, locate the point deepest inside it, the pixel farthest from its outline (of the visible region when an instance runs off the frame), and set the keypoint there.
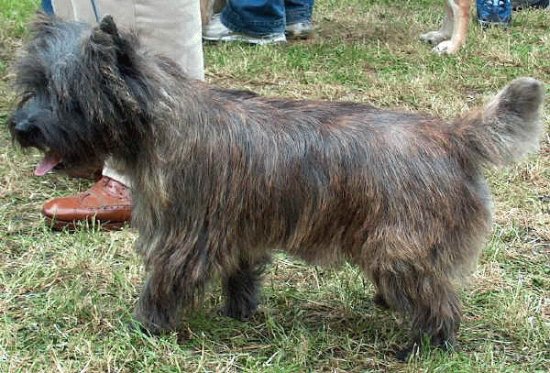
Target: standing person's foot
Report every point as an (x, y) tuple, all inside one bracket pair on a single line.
[(299, 30), (215, 30), (107, 202)]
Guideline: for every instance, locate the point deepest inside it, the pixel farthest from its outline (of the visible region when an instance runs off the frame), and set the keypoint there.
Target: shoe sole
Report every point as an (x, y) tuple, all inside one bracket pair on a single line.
[(244, 39), (488, 24), (71, 226)]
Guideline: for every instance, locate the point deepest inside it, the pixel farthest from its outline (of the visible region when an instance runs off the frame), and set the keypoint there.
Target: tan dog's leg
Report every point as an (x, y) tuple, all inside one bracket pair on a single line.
[(206, 11), (452, 34), (209, 8), (445, 31)]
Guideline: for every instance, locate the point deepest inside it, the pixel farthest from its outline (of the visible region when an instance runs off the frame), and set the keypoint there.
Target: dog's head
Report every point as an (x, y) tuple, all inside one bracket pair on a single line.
[(79, 89)]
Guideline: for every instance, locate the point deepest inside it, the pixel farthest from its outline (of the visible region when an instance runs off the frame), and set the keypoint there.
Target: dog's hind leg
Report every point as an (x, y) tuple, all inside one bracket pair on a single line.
[(429, 299), (241, 288)]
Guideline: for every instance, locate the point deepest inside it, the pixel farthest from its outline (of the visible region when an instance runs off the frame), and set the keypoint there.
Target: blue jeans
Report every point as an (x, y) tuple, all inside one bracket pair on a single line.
[(47, 6), (262, 17)]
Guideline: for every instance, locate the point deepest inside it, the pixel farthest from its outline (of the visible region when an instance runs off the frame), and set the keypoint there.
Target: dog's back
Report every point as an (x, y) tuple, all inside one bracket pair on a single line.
[(329, 180)]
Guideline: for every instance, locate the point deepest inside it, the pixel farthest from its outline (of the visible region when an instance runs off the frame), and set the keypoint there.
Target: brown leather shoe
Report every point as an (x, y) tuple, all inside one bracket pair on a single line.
[(107, 202)]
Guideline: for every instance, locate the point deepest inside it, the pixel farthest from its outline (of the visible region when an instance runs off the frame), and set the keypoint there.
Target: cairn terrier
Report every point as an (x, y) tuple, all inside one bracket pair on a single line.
[(222, 178)]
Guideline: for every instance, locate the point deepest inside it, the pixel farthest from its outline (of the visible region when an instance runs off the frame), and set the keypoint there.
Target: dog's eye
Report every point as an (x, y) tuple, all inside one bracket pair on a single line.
[(26, 96)]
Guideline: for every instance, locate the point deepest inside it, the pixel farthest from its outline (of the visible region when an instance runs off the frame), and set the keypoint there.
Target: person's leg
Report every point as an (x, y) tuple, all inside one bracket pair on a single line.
[(47, 6), (253, 21), (171, 27), (298, 18), (298, 11), (254, 17)]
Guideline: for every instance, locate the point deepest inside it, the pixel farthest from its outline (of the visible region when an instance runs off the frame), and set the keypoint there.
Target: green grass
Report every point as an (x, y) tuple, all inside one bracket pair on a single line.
[(66, 299)]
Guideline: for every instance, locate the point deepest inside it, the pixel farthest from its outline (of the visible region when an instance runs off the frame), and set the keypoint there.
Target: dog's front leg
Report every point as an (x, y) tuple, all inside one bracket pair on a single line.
[(168, 289), (445, 31), (452, 34)]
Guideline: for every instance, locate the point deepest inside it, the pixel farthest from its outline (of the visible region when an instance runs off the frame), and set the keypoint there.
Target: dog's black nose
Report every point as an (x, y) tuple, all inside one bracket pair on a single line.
[(23, 127), (25, 131)]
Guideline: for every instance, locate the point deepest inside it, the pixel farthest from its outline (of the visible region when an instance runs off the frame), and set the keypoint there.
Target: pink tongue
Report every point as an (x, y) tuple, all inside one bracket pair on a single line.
[(49, 161)]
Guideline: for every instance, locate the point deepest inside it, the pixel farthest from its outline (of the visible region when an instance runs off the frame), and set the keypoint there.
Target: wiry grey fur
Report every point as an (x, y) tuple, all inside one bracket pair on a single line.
[(222, 178)]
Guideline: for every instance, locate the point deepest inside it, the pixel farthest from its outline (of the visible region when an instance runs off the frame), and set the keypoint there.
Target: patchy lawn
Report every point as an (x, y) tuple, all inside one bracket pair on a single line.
[(66, 299)]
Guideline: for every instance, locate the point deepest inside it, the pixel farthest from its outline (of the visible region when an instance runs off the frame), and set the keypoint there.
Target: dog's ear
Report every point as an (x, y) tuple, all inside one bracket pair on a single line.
[(111, 58), (108, 26), (108, 44), (106, 33)]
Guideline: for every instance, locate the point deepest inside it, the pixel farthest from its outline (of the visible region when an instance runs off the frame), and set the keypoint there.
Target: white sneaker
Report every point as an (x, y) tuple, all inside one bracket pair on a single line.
[(300, 30), (216, 31)]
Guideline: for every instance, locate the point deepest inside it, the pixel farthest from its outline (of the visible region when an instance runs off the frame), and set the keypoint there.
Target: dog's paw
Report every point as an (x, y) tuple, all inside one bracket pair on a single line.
[(408, 353), (153, 322), (380, 301), (433, 37), (238, 311), (445, 47)]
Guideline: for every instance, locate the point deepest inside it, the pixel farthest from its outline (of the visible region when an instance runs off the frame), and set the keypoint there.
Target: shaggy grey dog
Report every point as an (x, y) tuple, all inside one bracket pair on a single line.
[(223, 178)]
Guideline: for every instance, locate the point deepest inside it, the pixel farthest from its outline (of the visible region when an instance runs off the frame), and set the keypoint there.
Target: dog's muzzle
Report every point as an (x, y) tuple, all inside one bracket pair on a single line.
[(24, 131)]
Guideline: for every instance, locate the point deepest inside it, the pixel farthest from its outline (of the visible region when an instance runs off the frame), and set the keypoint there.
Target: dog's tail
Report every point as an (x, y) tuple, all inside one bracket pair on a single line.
[(507, 128)]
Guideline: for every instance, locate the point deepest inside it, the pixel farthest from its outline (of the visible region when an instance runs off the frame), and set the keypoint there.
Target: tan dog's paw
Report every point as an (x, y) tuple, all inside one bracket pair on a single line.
[(445, 47), (434, 37)]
